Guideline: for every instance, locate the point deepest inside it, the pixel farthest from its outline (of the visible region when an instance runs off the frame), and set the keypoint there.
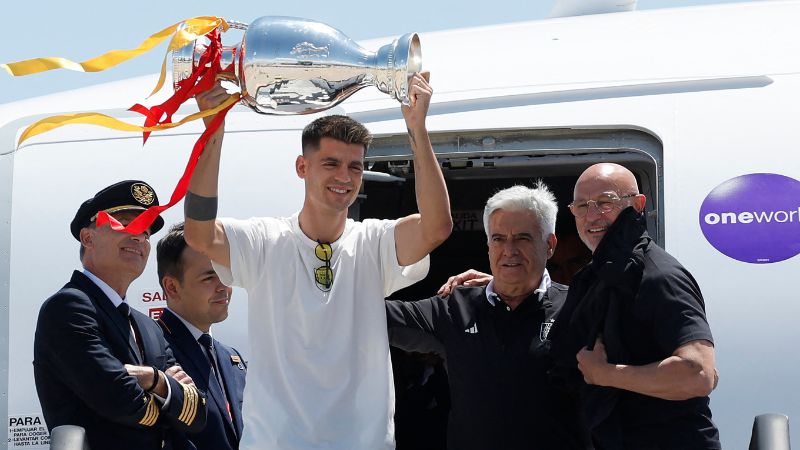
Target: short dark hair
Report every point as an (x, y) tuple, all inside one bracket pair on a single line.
[(341, 128), (169, 252)]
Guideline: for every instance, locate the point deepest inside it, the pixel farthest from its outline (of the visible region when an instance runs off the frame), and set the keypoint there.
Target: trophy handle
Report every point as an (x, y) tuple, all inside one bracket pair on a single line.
[(236, 25)]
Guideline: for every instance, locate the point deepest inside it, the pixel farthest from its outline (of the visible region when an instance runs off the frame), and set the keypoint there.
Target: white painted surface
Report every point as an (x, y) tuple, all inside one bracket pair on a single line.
[(719, 86)]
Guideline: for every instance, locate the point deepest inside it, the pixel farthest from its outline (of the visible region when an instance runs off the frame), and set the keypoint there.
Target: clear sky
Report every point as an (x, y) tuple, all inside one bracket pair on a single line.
[(83, 29)]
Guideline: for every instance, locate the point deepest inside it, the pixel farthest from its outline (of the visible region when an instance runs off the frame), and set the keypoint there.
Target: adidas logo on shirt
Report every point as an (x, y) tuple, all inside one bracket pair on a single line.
[(472, 330)]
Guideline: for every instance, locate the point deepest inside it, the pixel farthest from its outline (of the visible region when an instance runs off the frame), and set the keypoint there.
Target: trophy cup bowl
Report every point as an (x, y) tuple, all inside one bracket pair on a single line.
[(287, 65)]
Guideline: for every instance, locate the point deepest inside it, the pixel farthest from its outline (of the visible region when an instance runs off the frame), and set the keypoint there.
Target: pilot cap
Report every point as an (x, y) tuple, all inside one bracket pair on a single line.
[(128, 195)]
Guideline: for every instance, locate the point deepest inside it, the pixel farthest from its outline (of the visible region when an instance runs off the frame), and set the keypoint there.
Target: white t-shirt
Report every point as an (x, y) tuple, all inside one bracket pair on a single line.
[(319, 376)]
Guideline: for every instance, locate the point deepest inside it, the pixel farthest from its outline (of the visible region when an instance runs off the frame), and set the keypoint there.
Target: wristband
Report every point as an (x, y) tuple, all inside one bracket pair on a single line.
[(197, 207), (155, 380)]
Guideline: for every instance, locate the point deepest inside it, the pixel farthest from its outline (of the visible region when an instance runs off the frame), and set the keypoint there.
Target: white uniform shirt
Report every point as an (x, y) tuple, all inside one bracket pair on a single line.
[(319, 376)]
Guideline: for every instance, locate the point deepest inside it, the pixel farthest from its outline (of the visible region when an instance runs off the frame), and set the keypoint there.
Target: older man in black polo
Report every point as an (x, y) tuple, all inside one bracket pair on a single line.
[(495, 338)]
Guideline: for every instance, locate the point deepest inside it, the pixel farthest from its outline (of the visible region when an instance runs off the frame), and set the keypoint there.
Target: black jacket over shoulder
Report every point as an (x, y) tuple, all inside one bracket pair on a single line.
[(223, 431), (79, 352), (645, 305), (497, 362)]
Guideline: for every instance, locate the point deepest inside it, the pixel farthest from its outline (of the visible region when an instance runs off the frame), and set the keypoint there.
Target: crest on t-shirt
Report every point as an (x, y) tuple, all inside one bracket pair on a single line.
[(544, 329)]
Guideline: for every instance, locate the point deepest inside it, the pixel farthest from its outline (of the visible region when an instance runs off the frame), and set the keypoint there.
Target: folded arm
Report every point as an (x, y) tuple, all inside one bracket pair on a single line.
[(80, 356), (688, 373)]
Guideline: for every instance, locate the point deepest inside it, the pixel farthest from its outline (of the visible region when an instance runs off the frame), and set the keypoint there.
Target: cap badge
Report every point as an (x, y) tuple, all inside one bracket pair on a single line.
[(142, 193)]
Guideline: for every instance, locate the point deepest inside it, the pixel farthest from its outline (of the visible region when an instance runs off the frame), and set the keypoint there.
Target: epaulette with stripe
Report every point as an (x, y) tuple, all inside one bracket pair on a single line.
[(191, 401), (151, 412)]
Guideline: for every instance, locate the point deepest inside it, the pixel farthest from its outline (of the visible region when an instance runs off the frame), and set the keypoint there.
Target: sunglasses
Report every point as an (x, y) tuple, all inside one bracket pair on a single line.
[(323, 275)]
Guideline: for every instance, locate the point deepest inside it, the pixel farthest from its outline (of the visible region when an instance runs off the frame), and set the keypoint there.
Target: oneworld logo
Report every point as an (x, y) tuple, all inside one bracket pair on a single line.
[(750, 217), (754, 218)]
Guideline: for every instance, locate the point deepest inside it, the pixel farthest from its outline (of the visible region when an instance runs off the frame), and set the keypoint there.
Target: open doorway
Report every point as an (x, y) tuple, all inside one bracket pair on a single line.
[(475, 172)]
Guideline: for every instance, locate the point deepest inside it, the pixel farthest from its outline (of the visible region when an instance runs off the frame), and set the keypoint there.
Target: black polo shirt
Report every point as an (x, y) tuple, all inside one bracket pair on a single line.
[(667, 313), (497, 362)]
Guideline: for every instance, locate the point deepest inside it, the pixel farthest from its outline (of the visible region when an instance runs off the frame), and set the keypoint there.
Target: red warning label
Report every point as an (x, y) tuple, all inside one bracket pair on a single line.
[(155, 313)]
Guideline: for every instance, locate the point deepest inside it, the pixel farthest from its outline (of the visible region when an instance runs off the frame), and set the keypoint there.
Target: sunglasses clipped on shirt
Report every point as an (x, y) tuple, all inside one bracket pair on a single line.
[(323, 275)]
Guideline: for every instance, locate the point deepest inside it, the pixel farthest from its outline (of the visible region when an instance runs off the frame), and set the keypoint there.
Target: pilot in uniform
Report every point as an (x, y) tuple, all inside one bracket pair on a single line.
[(98, 363)]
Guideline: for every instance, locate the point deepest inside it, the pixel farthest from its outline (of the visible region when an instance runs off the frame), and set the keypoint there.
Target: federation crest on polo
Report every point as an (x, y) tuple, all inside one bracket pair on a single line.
[(544, 329)]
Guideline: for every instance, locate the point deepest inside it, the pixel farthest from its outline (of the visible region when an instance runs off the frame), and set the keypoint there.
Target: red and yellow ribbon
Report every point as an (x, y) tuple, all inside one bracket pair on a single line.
[(143, 221), (90, 118), (158, 117), (191, 30)]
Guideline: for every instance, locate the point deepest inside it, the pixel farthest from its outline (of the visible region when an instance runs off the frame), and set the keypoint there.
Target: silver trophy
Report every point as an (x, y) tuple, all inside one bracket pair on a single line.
[(286, 65)]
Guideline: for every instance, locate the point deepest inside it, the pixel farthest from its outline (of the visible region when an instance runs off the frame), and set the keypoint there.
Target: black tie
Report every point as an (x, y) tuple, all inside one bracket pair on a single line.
[(125, 310), (208, 344)]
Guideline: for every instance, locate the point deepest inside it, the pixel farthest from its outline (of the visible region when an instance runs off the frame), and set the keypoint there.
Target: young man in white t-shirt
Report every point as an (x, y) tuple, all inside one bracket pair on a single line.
[(320, 374)]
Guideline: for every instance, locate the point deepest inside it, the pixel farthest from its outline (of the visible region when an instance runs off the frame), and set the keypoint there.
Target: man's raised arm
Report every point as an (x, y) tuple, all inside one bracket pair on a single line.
[(418, 234), (202, 231)]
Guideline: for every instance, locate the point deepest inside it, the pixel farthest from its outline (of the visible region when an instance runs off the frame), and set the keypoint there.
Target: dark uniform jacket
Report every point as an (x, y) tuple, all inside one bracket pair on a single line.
[(645, 305), (220, 433), (81, 344), (497, 362)]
